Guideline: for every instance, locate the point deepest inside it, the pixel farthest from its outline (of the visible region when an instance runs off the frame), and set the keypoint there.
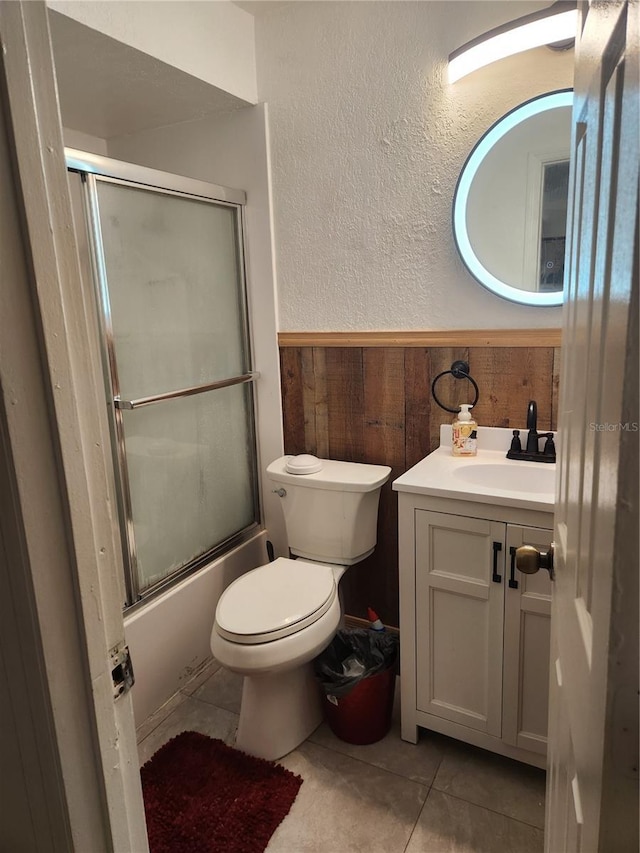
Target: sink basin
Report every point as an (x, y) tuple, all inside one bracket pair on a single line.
[(488, 478), (512, 478)]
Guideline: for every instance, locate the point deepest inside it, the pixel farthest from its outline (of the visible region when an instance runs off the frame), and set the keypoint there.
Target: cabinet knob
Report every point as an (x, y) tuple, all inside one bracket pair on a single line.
[(529, 560)]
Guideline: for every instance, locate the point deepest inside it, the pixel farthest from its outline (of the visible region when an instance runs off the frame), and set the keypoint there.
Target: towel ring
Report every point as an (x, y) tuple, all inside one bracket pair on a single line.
[(459, 370)]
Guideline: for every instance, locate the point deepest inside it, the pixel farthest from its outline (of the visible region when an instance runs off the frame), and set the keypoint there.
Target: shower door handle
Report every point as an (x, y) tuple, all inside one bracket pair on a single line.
[(185, 392)]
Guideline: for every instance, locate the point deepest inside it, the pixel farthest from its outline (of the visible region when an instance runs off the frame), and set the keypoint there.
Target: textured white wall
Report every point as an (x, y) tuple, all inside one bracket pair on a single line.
[(367, 142)]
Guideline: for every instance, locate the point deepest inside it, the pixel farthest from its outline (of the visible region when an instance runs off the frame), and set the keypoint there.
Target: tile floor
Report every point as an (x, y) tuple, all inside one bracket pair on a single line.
[(438, 796)]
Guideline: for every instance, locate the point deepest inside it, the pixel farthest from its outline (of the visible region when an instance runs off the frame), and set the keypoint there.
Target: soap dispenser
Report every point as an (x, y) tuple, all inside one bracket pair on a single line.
[(464, 433)]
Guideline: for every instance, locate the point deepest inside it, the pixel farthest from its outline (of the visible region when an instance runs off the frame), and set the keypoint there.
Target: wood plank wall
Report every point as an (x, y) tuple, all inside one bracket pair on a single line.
[(373, 404)]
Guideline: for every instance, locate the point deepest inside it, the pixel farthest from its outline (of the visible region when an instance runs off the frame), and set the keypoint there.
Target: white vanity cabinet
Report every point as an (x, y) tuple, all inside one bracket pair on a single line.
[(474, 630)]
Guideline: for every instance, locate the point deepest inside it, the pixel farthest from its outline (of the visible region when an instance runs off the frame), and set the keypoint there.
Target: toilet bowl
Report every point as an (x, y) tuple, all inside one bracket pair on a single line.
[(273, 621), (271, 641)]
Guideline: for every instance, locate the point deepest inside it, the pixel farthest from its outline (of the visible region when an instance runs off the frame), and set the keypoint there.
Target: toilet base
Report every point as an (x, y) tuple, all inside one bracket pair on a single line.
[(279, 711)]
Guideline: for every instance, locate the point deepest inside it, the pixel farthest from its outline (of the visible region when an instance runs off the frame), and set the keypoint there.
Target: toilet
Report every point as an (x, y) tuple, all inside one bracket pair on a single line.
[(273, 621)]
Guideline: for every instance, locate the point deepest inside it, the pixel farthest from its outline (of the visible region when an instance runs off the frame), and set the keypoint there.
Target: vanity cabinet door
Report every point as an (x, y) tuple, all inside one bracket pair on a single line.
[(459, 619), (527, 623)]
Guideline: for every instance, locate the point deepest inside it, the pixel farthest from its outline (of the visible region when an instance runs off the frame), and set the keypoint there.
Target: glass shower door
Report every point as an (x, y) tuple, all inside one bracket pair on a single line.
[(171, 284)]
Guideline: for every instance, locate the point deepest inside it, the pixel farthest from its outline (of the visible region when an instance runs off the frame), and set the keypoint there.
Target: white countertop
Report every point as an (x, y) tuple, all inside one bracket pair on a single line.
[(508, 482)]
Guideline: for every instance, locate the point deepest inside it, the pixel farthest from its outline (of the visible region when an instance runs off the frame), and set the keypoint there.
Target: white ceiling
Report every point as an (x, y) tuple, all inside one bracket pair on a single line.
[(108, 89)]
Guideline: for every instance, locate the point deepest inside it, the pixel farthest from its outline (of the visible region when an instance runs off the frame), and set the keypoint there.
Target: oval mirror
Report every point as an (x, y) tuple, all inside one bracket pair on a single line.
[(510, 204)]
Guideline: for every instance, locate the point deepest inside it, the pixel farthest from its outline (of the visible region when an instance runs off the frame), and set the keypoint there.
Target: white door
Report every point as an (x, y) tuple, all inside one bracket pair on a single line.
[(527, 612), (592, 795), (72, 767), (460, 590)]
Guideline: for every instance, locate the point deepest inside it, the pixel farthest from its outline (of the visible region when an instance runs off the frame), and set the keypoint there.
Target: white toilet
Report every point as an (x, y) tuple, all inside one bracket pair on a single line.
[(271, 622)]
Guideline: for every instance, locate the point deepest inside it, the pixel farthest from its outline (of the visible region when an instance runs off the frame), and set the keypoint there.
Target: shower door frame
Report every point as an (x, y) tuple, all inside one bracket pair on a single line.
[(93, 168)]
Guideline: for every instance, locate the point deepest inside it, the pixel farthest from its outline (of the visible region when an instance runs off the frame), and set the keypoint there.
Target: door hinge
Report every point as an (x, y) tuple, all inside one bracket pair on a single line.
[(121, 670)]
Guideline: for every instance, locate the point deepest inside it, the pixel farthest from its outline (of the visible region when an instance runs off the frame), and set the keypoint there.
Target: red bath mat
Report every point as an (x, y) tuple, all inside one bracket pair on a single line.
[(202, 796)]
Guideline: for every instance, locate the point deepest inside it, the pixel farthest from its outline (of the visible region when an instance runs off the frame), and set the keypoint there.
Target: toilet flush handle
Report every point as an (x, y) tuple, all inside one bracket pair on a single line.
[(281, 493)]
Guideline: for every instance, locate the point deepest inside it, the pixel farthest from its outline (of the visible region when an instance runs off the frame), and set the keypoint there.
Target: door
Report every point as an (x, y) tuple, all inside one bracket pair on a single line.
[(592, 796), (459, 619), (527, 612), (169, 276), (74, 759)]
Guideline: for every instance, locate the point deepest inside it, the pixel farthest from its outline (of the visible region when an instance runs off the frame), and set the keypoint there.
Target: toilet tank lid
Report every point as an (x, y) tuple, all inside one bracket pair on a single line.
[(333, 475)]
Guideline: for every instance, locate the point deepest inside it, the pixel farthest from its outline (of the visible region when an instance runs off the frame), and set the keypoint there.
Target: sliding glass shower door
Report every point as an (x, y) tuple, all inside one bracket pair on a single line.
[(169, 270)]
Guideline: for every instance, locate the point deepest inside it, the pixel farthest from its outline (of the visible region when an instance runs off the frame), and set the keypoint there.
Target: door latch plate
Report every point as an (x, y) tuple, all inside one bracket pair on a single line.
[(121, 671)]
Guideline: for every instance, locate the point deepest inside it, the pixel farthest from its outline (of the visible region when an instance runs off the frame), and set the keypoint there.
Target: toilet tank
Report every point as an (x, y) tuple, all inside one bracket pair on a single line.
[(330, 514)]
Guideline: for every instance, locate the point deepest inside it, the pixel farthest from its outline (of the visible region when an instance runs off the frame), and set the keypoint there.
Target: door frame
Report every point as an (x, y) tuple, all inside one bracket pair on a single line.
[(60, 563)]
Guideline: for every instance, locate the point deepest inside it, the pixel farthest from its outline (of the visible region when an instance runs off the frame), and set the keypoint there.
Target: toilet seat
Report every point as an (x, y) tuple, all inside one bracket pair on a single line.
[(274, 601)]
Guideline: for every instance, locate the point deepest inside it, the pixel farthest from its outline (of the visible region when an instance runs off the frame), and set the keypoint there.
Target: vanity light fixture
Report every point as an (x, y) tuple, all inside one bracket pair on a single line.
[(555, 24)]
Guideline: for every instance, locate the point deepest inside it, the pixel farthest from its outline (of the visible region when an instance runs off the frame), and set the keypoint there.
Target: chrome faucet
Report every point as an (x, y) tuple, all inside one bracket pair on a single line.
[(532, 452)]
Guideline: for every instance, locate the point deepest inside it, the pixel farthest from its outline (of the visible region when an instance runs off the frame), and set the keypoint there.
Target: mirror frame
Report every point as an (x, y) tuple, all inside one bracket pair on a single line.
[(532, 107)]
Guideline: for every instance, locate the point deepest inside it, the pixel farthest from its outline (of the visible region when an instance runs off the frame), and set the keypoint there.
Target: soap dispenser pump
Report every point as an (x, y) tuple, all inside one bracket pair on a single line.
[(464, 433)]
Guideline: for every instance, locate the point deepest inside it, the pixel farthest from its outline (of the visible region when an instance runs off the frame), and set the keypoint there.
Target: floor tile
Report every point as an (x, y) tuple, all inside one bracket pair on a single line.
[(367, 799), (154, 720), (200, 676), (450, 825), (509, 787), (223, 689), (418, 762), (190, 715), (345, 806)]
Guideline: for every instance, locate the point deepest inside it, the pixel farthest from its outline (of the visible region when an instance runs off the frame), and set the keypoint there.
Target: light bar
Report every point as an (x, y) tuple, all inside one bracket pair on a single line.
[(557, 23)]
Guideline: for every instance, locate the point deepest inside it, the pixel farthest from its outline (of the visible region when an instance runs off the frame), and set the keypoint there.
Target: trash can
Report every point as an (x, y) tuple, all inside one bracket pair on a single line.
[(357, 672)]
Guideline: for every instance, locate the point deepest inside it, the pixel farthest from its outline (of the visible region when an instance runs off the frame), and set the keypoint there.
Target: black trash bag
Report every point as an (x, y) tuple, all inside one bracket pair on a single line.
[(352, 656)]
